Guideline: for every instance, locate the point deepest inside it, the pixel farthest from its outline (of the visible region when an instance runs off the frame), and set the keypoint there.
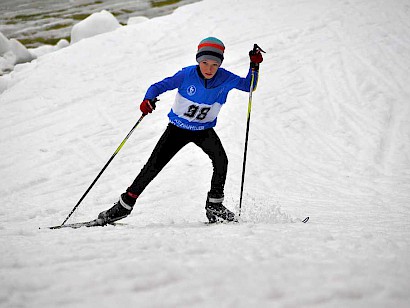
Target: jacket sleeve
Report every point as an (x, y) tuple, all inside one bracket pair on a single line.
[(169, 83), (244, 84)]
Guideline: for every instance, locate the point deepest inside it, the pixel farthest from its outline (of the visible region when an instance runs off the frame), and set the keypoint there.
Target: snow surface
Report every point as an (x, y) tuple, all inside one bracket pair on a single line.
[(329, 139)]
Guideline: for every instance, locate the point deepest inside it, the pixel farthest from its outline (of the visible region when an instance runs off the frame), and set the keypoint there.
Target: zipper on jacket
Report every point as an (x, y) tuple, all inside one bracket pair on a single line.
[(202, 77)]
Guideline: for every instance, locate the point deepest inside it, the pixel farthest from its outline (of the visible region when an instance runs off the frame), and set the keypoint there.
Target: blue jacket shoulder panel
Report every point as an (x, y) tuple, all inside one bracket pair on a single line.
[(167, 84)]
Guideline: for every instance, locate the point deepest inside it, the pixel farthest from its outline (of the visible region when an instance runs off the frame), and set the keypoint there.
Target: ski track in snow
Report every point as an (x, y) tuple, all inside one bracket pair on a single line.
[(329, 139)]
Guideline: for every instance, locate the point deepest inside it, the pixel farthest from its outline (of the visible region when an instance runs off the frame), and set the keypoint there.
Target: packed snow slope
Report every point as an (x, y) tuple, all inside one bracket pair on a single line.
[(329, 139)]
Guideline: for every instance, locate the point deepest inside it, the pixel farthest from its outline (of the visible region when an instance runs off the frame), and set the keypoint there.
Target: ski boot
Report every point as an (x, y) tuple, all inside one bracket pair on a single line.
[(121, 209), (216, 212)]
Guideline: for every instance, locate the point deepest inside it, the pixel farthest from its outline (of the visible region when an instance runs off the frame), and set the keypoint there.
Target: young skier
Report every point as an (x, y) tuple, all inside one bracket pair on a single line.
[(202, 91)]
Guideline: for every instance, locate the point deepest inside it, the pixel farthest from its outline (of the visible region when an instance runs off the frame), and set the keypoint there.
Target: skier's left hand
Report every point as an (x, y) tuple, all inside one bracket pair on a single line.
[(255, 55)]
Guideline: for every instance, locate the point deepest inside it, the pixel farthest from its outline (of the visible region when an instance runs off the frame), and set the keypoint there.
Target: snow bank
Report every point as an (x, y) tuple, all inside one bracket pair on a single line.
[(5, 45), (45, 49), (136, 20), (96, 23), (12, 52)]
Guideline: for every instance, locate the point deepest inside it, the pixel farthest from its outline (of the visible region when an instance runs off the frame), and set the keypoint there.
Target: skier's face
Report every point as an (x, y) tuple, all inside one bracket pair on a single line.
[(208, 68)]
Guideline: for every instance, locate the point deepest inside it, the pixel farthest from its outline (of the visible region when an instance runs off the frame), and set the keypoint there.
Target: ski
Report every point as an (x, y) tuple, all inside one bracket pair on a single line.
[(92, 223), (98, 223), (221, 222), (305, 220)]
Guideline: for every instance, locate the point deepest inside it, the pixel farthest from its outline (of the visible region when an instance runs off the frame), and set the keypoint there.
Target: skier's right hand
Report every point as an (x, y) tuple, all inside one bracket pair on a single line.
[(148, 105)]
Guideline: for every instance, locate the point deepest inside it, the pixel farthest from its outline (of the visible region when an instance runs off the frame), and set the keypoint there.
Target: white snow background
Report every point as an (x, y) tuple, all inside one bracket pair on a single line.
[(329, 139)]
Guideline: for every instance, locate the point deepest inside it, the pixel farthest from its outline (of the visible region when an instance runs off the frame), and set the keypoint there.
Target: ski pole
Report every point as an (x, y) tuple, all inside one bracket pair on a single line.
[(256, 48), (105, 167)]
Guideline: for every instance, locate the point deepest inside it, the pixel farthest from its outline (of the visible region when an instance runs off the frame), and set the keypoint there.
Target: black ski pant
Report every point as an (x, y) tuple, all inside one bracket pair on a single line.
[(173, 140)]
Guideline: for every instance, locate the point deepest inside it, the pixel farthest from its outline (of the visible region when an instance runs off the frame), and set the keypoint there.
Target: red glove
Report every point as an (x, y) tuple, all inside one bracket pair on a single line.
[(147, 106), (255, 56)]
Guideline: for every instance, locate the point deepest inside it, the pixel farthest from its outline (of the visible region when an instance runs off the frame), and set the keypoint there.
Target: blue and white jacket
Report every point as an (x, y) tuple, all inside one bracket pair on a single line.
[(199, 100)]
